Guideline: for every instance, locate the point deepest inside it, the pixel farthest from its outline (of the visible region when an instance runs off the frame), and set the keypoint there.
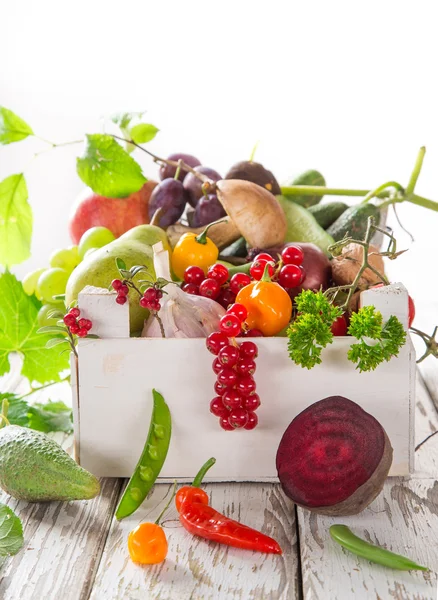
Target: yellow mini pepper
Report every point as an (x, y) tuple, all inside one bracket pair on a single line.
[(269, 305), (192, 249)]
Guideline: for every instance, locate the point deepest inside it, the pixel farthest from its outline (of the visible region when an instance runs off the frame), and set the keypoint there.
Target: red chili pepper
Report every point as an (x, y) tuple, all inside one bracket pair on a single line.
[(198, 518)]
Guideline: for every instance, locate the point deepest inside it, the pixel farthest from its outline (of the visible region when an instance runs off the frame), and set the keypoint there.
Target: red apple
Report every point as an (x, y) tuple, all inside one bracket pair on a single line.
[(117, 214)]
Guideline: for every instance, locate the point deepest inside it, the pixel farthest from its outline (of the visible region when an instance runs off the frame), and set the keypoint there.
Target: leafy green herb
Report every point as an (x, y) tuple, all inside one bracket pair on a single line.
[(12, 127), (377, 342), (15, 221), (47, 417), (108, 169), (18, 333), (11, 532), (310, 332)]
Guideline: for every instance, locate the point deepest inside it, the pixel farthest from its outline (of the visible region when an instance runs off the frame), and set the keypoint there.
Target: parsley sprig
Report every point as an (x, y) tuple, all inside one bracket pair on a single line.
[(378, 342)]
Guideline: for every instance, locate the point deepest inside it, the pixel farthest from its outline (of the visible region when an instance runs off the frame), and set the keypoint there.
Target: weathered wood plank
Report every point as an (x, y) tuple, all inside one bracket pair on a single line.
[(199, 570)]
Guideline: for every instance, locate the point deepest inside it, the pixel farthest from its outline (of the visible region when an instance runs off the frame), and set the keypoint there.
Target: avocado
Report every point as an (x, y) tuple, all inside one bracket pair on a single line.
[(35, 468), (248, 170)]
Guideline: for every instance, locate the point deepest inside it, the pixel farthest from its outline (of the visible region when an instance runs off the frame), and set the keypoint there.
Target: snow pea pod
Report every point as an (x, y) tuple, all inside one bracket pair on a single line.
[(151, 460), (346, 538)]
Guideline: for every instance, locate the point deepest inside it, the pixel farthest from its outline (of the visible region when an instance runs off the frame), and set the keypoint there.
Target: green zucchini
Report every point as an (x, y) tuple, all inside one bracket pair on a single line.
[(327, 213), (353, 222), (310, 177)]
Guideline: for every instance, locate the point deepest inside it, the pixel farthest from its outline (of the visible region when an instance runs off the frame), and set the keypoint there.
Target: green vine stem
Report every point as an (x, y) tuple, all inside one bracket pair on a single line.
[(4, 413), (430, 341), (336, 250)]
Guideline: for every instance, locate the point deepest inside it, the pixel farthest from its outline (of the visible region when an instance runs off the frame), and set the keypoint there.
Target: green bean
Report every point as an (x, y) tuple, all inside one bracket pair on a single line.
[(346, 538), (151, 460)]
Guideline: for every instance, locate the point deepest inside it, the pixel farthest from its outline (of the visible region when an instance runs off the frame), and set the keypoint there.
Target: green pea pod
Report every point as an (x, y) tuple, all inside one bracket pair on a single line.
[(151, 460), (346, 538)]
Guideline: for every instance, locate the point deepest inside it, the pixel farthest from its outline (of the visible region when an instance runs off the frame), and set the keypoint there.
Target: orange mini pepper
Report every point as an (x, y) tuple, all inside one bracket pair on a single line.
[(269, 305)]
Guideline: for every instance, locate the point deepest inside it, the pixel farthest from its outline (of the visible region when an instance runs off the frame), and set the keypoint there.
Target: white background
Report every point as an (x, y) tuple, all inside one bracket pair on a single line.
[(344, 87)]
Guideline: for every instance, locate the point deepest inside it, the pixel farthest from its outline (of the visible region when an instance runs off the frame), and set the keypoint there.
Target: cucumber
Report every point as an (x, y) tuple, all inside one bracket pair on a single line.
[(353, 222), (237, 248), (310, 177), (327, 213), (302, 226)]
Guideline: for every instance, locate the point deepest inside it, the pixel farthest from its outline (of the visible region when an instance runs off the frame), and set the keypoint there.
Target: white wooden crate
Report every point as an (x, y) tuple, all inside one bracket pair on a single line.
[(112, 396)]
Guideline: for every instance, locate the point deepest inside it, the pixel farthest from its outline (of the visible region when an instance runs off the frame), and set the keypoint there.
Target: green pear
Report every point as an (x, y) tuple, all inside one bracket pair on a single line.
[(147, 234), (35, 468), (99, 269)]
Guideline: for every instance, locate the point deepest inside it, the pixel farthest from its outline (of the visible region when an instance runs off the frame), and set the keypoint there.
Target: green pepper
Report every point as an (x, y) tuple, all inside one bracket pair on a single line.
[(346, 538), (151, 460)]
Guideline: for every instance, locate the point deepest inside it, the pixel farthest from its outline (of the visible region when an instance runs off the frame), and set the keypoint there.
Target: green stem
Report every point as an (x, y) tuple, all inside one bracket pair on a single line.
[(318, 190), (4, 413), (157, 522), (202, 471), (382, 188), (42, 387), (253, 151), (425, 202), (266, 277), (202, 237), (178, 169), (416, 172)]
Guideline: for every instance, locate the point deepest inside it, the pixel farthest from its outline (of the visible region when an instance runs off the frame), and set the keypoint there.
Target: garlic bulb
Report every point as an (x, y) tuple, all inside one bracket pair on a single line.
[(182, 315)]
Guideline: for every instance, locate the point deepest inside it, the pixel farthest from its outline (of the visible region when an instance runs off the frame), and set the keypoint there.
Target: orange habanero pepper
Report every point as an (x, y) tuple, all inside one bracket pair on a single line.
[(269, 305)]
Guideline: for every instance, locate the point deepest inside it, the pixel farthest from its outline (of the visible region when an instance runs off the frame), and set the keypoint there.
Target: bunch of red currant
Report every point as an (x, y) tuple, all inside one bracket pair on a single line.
[(122, 291), (151, 299), (288, 272), (76, 326), (236, 401)]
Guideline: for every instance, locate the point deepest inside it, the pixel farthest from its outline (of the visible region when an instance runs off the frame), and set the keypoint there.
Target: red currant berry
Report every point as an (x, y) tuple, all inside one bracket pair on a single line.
[(144, 302), (217, 365), (190, 288), (238, 418), (218, 272), (69, 320), (251, 402), (74, 329), (246, 385), (248, 350), (258, 268), (246, 366), (116, 284), (226, 297), (75, 312), (82, 332), (150, 295), (158, 294), (228, 356), (220, 388), (254, 333), (264, 256), (156, 306), (292, 255), (239, 281), (339, 326), (217, 407), (209, 288), (121, 299), (252, 421), (123, 290), (290, 276), (224, 423), (232, 399), (194, 275), (227, 377), (216, 341), (239, 310), (85, 324), (230, 325)]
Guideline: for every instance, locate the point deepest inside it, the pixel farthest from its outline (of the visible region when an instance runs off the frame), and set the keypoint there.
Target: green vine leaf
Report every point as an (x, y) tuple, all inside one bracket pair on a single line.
[(18, 333), (143, 133), (108, 169), (12, 127), (15, 221), (124, 119), (11, 532), (46, 417)]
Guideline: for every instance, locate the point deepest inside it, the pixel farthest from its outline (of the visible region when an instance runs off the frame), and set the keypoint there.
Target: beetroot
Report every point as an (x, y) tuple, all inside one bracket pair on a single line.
[(334, 457)]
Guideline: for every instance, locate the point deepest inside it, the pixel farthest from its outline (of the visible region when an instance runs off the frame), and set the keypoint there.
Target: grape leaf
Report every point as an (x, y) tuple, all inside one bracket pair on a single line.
[(47, 417), (108, 169), (18, 333), (123, 120), (15, 221), (12, 127), (11, 532), (18, 409), (143, 133)]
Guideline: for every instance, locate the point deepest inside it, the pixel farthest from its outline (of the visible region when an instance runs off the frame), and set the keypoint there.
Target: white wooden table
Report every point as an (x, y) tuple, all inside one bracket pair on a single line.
[(76, 551)]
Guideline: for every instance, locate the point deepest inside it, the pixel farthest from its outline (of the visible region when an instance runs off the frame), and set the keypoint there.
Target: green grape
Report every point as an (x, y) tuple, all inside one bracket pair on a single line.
[(96, 237), (51, 283), (30, 282), (43, 315), (67, 258)]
